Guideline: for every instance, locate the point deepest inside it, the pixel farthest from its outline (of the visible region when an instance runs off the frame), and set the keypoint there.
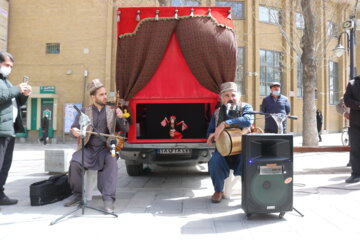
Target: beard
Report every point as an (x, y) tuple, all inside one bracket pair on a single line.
[(99, 102)]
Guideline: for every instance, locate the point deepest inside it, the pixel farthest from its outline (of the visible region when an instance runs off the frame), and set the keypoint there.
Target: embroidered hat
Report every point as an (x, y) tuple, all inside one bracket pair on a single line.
[(228, 86), (94, 85)]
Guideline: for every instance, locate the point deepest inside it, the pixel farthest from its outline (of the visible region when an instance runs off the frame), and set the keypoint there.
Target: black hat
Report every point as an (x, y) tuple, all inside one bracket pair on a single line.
[(275, 84)]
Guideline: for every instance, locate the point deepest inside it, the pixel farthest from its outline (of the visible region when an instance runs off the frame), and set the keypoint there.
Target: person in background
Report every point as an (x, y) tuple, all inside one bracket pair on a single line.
[(231, 113), (44, 129), (352, 101), (11, 99), (344, 111), (319, 122), (275, 103)]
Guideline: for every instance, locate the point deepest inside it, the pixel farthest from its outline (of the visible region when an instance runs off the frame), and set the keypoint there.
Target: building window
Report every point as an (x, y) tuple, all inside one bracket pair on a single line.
[(333, 83), (300, 24), (53, 48), (239, 80), (299, 67), (237, 8), (185, 3), (270, 70), (331, 29), (269, 15)]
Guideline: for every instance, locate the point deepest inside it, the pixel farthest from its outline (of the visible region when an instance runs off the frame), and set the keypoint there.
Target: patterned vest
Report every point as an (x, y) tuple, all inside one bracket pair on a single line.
[(110, 122)]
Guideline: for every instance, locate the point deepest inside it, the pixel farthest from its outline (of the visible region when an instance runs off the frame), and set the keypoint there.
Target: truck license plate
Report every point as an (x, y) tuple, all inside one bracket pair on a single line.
[(174, 151)]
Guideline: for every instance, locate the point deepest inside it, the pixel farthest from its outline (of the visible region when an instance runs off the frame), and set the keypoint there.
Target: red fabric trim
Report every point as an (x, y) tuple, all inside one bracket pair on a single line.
[(129, 13), (173, 78)]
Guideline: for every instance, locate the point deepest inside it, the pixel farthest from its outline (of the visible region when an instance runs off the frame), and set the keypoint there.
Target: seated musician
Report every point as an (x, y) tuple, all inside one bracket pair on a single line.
[(231, 113), (97, 155)]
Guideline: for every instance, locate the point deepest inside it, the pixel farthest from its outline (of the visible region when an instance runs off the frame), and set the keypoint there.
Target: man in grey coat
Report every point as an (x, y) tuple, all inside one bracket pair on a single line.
[(11, 99)]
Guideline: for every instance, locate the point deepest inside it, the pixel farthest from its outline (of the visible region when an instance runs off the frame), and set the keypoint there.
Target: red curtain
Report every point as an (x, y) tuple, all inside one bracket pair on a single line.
[(208, 48)]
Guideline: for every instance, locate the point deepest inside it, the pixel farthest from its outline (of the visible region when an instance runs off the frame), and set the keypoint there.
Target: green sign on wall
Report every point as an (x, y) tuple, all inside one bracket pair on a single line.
[(47, 89)]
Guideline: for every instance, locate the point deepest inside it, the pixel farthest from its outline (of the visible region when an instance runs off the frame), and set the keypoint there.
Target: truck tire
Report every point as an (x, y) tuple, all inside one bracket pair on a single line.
[(134, 169)]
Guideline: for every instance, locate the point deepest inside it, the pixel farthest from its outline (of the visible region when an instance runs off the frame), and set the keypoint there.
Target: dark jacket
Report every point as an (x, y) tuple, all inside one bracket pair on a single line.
[(352, 100), (45, 124), (7, 93), (272, 105), (319, 119)]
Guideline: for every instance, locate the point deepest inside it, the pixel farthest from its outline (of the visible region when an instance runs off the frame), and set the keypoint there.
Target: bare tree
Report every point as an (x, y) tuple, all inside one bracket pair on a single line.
[(310, 68)]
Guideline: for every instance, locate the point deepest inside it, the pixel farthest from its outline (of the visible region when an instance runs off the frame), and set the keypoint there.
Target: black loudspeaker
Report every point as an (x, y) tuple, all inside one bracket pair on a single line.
[(267, 173)]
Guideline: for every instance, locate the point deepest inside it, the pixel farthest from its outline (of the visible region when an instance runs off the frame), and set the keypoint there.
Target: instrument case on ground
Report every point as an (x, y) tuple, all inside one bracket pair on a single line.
[(54, 189)]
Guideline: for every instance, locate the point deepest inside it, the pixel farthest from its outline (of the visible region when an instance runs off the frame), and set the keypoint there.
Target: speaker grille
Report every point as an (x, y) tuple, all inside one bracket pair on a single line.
[(269, 190), (267, 173)]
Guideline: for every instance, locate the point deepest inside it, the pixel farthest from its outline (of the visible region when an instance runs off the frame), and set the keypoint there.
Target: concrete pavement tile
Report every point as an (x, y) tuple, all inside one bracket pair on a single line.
[(197, 230), (132, 210), (194, 212), (196, 203)]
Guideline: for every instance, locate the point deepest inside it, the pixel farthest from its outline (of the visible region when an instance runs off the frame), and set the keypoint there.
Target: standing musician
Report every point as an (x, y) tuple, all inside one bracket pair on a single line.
[(232, 113), (104, 119)]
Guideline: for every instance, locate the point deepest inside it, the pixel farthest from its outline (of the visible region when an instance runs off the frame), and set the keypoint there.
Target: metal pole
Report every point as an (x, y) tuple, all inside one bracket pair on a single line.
[(352, 50)]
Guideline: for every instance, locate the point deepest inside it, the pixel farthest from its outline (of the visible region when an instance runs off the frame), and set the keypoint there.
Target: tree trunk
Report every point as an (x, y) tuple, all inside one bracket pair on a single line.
[(308, 59)]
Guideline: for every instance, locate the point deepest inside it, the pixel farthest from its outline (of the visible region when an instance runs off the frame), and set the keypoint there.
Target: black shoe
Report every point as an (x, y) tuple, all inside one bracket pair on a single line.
[(353, 179), (8, 201)]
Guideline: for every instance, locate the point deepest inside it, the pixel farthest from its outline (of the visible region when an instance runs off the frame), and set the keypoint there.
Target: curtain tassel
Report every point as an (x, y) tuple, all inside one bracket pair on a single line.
[(209, 12), (176, 14), (229, 16), (157, 15), (192, 12), (118, 16), (137, 16)]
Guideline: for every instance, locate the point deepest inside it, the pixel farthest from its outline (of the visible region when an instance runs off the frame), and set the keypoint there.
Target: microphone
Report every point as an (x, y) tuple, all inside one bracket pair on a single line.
[(84, 121), (228, 106), (113, 145), (77, 109)]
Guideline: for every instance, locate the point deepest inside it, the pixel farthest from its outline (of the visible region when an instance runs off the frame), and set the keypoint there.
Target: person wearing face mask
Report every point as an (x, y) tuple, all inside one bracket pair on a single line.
[(275, 103), (232, 113), (11, 99)]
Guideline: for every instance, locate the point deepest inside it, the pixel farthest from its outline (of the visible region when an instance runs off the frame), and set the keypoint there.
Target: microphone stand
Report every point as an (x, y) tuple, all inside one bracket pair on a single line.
[(84, 123)]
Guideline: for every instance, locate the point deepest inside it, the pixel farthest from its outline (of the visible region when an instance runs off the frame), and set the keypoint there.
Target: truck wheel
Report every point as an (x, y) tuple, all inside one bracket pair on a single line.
[(134, 170)]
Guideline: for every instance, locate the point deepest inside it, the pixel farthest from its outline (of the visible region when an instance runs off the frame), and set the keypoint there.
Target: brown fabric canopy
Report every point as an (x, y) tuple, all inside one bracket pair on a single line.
[(209, 50)]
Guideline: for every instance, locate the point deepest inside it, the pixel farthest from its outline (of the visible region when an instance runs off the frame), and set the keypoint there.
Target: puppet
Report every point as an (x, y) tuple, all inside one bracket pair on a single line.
[(173, 124)]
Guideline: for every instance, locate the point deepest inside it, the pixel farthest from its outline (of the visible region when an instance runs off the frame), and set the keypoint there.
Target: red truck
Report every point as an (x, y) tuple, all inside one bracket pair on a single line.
[(170, 64)]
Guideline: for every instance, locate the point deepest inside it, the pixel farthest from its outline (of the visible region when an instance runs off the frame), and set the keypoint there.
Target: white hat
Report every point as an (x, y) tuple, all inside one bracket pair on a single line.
[(228, 86)]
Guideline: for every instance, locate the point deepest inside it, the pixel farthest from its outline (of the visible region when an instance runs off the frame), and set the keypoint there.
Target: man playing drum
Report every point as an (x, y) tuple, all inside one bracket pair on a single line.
[(231, 113)]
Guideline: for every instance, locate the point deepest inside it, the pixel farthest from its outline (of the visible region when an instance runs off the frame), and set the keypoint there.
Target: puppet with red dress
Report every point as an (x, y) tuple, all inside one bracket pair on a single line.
[(173, 124)]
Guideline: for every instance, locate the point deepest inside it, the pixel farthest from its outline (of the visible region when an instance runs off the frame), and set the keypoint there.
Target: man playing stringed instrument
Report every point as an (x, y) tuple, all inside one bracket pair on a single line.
[(104, 120), (232, 113)]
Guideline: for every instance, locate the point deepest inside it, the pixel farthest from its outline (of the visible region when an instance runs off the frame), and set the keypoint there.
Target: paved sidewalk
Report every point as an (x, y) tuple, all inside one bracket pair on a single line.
[(173, 203)]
